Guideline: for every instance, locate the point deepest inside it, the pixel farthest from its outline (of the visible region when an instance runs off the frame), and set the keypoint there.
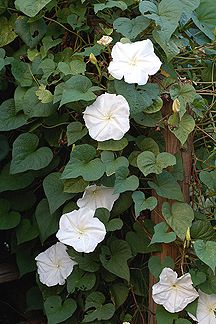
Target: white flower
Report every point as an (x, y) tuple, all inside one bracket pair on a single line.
[(54, 265), (108, 117), (105, 40), (135, 61), (206, 308), (81, 230), (172, 292), (98, 197)]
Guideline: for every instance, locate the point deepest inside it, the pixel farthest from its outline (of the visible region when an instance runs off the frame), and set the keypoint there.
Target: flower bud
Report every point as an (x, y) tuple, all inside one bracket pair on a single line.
[(176, 106), (105, 40), (92, 59)]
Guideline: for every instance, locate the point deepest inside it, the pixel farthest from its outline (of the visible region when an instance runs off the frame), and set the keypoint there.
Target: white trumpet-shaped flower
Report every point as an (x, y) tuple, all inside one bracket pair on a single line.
[(98, 197), (54, 265), (108, 117), (206, 309), (134, 61), (81, 230), (172, 292)]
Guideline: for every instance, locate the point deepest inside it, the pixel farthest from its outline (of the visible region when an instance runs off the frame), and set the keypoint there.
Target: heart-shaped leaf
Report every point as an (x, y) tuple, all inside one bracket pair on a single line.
[(124, 183), (26, 231), (114, 258), (131, 28), (206, 252), (29, 7), (26, 156), (161, 235), (54, 190), (141, 203), (81, 280), (112, 164), (148, 163), (8, 219), (182, 128), (75, 131), (8, 118), (96, 310), (179, 216), (57, 311)]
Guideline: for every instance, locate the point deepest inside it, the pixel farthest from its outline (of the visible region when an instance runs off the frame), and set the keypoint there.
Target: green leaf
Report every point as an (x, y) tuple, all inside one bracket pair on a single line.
[(166, 186), (56, 311), (8, 219), (138, 97), (75, 185), (141, 203), (8, 118), (29, 7), (148, 163), (182, 128), (82, 163), (54, 191), (170, 47), (7, 33), (44, 95), (206, 252), (156, 265), (31, 32), (124, 183), (76, 66), (47, 222), (163, 316), (114, 224), (114, 258), (96, 310), (14, 181), (112, 145), (112, 164), (4, 147), (21, 73), (87, 262), (182, 321), (179, 216), (166, 17), (33, 107), (204, 17), (34, 299), (26, 156), (198, 277), (131, 28), (202, 230), (161, 235), (80, 280), (75, 131), (24, 260), (77, 88), (139, 241), (185, 93), (147, 144), (209, 179), (119, 293), (110, 4), (26, 231), (3, 5)]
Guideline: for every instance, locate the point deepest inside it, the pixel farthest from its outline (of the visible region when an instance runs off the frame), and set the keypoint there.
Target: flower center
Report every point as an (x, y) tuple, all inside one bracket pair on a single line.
[(133, 61), (108, 117)]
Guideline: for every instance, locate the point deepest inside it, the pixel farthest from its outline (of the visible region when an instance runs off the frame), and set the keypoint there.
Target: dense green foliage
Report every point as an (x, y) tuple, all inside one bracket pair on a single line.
[(47, 158)]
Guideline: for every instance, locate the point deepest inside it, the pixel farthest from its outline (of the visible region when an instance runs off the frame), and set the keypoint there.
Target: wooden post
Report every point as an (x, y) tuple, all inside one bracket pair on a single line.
[(173, 146)]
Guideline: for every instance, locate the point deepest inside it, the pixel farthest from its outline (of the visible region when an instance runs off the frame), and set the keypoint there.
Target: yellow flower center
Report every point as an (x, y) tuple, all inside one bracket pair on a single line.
[(133, 61)]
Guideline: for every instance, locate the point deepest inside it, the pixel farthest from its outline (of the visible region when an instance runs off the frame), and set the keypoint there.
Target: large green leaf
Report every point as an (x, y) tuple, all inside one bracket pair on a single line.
[(14, 181), (156, 265), (31, 32), (47, 222), (202, 230), (141, 203), (29, 7), (7, 33), (56, 311), (204, 17), (166, 186), (166, 16), (8, 118), (123, 182), (110, 4), (26, 156), (138, 97), (164, 316), (77, 88), (114, 257), (80, 280), (83, 163), (113, 145), (119, 293), (161, 235), (179, 216), (75, 185), (112, 164), (26, 231), (96, 309), (181, 128), (131, 28), (185, 93), (54, 191), (75, 131), (148, 163), (21, 73), (74, 67), (209, 179), (206, 252), (8, 219)]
